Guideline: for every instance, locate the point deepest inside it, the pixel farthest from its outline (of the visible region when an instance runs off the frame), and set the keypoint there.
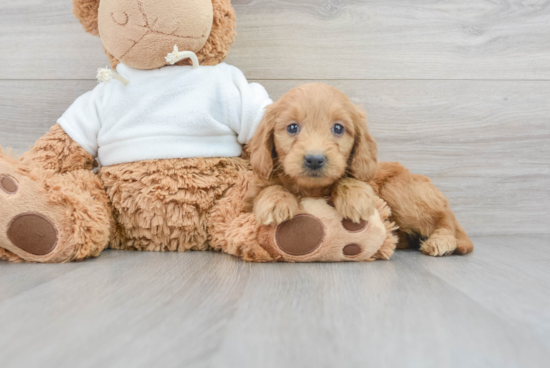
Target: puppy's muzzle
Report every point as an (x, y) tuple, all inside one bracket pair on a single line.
[(315, 162)]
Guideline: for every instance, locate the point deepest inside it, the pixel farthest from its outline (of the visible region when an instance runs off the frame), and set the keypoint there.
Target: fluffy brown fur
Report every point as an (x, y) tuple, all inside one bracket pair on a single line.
[(417, 206), (217, 46), (278, 157), (58, 152), (164, 205), (233, 231), (86, 11)]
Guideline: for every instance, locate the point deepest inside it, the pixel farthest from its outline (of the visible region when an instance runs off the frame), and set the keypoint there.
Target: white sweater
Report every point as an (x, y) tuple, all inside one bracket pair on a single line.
[(171, 112)]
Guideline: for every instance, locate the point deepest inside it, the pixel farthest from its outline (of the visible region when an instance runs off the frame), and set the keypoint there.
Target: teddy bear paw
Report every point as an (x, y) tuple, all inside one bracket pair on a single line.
[(319, 234), (48, 217), (27, 230)]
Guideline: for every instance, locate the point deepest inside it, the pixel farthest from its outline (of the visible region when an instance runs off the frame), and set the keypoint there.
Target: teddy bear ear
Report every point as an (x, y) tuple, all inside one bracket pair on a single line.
[(86, 11)]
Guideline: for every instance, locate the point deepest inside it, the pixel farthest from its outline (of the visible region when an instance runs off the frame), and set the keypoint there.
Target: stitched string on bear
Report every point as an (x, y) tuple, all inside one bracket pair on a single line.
[(106, 75), (177, 55)]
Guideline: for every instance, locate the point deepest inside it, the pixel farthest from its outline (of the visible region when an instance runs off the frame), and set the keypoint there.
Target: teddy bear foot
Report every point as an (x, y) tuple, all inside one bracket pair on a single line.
[(27, 231), (319, 234), (40, 219)]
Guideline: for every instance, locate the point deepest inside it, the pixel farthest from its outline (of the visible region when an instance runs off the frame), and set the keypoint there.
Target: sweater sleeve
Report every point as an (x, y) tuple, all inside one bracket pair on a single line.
[(246, 106), (82, 121)]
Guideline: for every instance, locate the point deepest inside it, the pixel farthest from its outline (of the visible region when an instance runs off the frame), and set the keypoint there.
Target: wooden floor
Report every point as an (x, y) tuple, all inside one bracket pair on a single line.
[(458, 90), (131, 309)]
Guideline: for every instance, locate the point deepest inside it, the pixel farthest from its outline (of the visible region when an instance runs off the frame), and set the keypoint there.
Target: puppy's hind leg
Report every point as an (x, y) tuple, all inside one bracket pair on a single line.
[(419, 208), (441, 241), (448, 234)]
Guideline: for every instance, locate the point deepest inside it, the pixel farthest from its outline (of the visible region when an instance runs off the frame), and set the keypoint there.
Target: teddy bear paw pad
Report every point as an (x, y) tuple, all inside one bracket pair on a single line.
[(33, 233), (351, 250), (300, 236), (8, 185), (354, 227)]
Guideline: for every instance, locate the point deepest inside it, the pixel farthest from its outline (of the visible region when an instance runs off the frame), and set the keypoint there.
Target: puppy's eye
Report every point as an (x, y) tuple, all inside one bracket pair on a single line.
[(338, 129), (293, 129)]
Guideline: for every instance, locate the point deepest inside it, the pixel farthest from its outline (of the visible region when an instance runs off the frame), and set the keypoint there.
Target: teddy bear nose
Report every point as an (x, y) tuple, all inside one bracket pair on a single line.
[(315, 162)]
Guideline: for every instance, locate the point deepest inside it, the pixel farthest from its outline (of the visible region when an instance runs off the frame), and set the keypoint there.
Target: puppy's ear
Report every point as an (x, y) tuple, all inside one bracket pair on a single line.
[(363, 161), (262, 145), (86, 11)]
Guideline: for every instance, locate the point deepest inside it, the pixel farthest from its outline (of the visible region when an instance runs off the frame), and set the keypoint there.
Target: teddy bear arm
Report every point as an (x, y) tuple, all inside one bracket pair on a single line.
[(59, 152)]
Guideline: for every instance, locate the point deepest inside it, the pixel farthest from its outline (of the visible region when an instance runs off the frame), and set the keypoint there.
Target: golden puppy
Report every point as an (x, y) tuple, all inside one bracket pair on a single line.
[(314, 142)]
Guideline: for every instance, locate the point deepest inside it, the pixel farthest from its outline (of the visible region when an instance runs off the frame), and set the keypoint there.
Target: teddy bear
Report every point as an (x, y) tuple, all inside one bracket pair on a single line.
[(167, 129)]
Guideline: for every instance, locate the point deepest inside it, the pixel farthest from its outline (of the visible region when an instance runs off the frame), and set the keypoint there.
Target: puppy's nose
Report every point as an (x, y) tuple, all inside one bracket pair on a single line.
[(315, 162)]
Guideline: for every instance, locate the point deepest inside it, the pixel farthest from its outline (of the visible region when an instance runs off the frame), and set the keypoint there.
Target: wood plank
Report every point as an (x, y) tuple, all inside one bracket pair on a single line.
[(29, 108), (204, 309), (15, 279), (316, 39), (523, 301), (484, 143), (397, 314), (181, 301)]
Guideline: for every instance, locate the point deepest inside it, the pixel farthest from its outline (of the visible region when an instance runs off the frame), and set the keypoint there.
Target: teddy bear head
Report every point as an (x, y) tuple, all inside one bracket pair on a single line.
[(140, 33)]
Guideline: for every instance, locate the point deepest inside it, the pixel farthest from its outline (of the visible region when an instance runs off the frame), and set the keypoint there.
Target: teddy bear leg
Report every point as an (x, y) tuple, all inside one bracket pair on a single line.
[(231, 230), (48, 217), (317, 234), (165, 205)]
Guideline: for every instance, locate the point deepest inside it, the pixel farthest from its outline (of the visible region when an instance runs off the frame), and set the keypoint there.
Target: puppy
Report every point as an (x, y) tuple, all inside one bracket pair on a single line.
[(313, 142)]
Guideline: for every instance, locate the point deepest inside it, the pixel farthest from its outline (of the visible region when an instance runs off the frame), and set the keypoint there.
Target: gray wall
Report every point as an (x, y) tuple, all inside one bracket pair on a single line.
[(458, 90)]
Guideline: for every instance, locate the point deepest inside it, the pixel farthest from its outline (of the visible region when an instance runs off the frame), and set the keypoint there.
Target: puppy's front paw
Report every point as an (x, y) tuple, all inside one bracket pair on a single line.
[(275, 207), (354, 199)]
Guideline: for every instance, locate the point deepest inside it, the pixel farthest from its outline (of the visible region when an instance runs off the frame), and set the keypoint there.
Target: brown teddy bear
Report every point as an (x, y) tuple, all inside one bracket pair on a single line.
[(169, 140)]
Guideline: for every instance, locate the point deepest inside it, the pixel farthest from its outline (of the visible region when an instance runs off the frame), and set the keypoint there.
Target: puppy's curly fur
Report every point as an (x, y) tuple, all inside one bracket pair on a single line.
[(350, 177)]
